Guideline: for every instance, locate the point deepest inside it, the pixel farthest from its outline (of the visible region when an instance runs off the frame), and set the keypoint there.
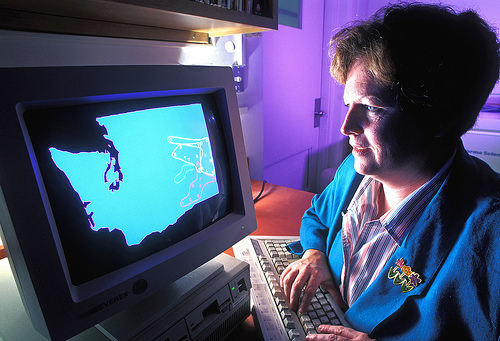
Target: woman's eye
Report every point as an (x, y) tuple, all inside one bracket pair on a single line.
[(366, 107), (373, 109)]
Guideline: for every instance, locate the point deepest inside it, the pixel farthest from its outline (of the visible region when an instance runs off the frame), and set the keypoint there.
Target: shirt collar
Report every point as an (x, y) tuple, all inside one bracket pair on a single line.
[(400, 219)]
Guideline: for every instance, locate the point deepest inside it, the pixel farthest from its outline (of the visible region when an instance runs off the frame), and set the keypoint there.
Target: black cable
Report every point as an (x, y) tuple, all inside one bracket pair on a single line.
[(260, 193)]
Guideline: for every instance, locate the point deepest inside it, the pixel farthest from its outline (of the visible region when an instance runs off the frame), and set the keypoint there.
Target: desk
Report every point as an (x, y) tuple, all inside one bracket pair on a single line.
[(279, 211)]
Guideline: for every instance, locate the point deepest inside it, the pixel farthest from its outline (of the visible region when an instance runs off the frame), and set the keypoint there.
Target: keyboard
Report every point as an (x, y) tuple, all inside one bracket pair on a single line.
[(268, 258)]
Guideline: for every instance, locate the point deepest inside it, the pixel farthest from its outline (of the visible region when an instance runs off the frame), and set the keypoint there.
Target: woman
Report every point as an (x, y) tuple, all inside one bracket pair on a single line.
[(407, 236)]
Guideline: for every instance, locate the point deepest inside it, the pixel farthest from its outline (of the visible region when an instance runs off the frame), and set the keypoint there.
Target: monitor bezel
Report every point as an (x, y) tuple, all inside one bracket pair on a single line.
[(114, 103)]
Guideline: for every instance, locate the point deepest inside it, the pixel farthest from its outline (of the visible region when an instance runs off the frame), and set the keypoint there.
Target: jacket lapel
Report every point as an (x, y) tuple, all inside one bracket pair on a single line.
[(424, 249)]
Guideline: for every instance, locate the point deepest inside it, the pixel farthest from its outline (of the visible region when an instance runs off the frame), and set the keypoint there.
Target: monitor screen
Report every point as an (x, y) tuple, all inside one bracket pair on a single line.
[(126, 178), (132, 178)]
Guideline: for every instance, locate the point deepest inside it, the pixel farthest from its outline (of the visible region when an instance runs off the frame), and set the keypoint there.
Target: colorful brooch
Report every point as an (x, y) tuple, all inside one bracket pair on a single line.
[(408, 279)]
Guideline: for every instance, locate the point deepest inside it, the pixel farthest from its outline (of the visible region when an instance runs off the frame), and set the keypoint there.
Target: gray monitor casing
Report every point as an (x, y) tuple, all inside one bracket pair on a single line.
[(31, 241)]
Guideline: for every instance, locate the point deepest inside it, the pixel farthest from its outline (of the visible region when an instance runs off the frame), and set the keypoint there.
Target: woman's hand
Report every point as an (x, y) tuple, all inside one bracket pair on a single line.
[(338, 333), (311, 270)]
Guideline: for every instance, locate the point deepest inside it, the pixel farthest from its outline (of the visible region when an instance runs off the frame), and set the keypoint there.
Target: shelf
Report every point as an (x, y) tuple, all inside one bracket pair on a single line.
[(170, 20)]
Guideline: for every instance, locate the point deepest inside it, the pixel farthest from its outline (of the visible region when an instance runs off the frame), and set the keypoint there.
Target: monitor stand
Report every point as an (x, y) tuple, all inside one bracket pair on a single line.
[(208, 303)]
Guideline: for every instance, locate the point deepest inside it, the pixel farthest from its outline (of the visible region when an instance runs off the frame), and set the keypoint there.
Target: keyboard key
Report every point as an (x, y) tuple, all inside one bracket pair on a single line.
[(327, 308), (335, 322), (286, 313), (294, 335), (316, 322), (276, 291), (304, 319), (309, 328), (288, 323), (320, 312), (331, 315), (324, 320), (279, 300)]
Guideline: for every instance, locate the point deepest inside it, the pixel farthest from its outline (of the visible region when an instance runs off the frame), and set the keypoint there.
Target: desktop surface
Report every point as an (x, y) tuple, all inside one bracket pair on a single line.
[(280, 209)]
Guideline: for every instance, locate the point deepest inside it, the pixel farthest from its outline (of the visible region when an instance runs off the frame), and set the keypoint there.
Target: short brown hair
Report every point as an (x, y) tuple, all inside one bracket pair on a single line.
[(443, 65), (363, 42)]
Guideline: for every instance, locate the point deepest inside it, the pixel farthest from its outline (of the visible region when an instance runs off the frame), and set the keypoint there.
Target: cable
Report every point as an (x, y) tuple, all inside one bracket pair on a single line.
[(260, 193)]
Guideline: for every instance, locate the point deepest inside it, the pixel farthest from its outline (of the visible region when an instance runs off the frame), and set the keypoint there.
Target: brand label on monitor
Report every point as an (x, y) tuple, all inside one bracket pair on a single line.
[(109, 302)]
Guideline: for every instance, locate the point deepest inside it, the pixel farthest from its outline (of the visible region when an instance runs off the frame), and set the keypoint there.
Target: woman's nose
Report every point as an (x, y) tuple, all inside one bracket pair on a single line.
[(352, 122)]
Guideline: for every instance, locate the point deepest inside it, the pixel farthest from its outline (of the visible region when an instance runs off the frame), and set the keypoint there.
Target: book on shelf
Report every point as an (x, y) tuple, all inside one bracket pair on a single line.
[(258, 7)]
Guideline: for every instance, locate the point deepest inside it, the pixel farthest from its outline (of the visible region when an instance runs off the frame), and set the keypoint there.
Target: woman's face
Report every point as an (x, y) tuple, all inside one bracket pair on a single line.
[(385, 143)]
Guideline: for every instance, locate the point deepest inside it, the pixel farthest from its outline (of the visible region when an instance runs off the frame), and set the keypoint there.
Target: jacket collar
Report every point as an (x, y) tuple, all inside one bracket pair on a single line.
[(424, 249)]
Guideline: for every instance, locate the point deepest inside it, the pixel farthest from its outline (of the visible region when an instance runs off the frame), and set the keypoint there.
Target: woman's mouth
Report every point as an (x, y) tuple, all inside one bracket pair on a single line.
[(360, 150)]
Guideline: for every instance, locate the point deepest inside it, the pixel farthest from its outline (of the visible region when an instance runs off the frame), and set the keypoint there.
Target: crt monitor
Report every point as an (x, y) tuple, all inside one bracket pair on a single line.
[(114, 182)]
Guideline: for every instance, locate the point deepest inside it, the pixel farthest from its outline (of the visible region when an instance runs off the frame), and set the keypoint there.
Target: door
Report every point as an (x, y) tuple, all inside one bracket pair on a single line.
[(333, 146), (292, 69)]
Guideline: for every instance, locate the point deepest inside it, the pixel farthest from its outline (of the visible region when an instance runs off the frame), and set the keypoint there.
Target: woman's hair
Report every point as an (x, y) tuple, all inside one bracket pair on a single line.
[(441, 64)]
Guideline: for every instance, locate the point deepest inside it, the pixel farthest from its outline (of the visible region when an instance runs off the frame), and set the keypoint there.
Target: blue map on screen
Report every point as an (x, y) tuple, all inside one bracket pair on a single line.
[(158, 164)]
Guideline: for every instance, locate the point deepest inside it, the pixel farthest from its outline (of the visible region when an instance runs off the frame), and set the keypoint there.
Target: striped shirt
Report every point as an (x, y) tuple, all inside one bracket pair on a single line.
[(368, 243)]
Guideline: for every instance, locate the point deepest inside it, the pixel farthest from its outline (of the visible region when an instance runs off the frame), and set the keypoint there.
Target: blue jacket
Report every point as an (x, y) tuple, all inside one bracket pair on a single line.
[(454, 246)]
